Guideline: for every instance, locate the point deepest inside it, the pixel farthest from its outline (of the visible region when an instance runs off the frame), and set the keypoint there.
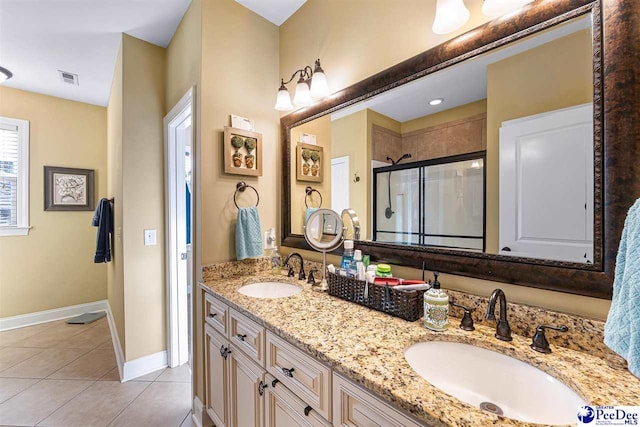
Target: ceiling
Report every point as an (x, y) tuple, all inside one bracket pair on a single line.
[(458, 85), (276, 11), (40, 37)]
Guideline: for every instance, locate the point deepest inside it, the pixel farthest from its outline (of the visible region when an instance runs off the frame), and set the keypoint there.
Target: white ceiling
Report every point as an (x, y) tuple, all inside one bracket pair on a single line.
[(276, 11), (458, 85), (40, 37)]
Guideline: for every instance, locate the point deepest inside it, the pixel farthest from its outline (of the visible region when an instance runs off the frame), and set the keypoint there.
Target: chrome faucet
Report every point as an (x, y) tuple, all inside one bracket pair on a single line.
[(301, 275), (503, 330)]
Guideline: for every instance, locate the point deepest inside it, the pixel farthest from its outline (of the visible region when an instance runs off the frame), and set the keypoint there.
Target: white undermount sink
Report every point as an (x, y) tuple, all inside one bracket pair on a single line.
[(269, 290), (494, 382)]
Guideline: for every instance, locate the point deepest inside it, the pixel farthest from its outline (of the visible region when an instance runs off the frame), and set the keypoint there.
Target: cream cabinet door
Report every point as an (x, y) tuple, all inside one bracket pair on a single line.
[(217, 377), (246, 392), (355, 407), (284, 409)]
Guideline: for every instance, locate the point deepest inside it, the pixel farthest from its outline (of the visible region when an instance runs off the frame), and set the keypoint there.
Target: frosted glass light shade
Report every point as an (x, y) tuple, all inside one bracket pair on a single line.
[(450, 15), (319, 85), (283, 101), (495, 8), (302, 97)]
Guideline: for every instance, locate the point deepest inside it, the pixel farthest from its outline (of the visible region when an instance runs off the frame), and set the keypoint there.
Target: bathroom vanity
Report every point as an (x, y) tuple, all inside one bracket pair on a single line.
[(314, 360)]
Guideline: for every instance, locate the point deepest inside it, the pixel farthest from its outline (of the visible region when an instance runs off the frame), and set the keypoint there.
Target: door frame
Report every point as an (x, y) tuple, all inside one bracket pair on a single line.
[(172, 255)]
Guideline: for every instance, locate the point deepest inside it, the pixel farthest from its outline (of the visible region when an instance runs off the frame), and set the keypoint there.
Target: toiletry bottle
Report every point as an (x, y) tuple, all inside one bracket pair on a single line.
[(276, 260), (384, 270), (436, 307), (347, 258), (358, 264)]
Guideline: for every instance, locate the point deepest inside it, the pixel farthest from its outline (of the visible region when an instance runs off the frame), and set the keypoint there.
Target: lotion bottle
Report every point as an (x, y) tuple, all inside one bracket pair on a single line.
[(436, 307)]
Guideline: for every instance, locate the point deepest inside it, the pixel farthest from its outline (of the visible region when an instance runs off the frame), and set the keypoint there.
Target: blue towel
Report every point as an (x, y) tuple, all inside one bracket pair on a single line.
[(103, 219), (308, 214), (248, 234), (622, 330)]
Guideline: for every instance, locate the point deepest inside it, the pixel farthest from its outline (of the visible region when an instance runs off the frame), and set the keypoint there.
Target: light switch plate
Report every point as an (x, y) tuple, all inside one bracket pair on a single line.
[(150, 237)]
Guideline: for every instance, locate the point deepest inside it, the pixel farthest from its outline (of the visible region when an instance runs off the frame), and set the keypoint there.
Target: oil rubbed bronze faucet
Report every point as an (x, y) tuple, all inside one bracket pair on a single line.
[(301, 275), (503, 330)]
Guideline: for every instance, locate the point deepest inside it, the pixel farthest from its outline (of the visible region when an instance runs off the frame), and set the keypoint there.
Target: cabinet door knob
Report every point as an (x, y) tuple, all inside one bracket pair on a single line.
[(241, 337), (261, 388), (224, 351), (288, 372)]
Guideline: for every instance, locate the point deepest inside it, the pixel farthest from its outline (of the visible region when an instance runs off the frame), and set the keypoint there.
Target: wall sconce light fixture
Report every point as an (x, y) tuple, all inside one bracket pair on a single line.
[(450, 15), (5, 74), (495, 8), (311, 85)]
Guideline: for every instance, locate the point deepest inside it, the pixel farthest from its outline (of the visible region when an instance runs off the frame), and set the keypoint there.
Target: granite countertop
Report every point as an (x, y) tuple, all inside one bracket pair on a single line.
[(368, 347)]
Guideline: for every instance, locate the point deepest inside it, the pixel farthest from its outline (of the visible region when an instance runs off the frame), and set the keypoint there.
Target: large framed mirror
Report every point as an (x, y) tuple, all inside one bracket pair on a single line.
[(502, 154)]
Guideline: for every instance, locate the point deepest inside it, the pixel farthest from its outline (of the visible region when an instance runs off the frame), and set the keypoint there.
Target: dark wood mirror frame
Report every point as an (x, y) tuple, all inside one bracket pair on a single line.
[(616, 31)]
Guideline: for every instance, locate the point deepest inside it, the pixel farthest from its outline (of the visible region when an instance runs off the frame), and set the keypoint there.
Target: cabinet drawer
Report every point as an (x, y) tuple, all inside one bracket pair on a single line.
[(215, 314), (309, 379), (354, 407), (247, 335), (283, 408)]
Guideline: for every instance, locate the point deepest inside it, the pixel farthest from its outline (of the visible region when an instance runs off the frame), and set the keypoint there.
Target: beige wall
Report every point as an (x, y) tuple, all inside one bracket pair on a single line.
[(451, 115), (349, 138), (136, 160), (53, 266), (321, 128), (184, 55), (238, 71), (239, 66), (552, 76), (115, 269), (349, 56)]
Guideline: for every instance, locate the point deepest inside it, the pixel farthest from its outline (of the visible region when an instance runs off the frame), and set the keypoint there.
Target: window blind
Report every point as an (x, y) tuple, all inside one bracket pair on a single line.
[(9, 168)]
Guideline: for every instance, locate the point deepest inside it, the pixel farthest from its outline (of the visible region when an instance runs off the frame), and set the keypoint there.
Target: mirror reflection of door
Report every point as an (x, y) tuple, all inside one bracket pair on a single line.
[(540, 218), (340, 183)]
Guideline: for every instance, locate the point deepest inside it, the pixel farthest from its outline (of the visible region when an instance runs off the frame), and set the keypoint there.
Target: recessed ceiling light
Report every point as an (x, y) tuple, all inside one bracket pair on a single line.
[(436, 101), (5, 74)]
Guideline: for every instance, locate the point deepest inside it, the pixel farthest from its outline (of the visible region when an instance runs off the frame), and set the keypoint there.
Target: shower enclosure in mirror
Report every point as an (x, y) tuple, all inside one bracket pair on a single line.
[(436, 203)]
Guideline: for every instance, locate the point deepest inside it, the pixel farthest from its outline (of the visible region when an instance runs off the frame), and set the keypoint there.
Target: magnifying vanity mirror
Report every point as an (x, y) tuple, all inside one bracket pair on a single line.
[(481, 157), (324, 232)]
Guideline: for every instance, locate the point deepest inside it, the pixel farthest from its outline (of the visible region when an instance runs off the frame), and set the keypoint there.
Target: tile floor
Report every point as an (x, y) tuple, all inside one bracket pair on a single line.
[(55, 374)]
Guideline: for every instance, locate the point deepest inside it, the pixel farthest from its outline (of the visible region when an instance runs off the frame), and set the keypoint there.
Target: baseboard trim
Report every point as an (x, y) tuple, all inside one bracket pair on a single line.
[(115, 340), (144, 365), (30, 319), (199, 415)]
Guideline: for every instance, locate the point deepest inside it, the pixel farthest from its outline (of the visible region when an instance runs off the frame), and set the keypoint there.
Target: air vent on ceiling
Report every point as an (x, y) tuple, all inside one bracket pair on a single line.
[(70, 78)]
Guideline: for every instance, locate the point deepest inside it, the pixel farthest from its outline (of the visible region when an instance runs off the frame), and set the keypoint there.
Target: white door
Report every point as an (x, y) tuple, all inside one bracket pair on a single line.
[(340, 184), (178, 142), (546, 185)]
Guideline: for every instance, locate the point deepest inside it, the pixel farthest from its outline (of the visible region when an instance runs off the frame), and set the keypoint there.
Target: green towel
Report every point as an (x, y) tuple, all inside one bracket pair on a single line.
[(248, 234), (622, 330)]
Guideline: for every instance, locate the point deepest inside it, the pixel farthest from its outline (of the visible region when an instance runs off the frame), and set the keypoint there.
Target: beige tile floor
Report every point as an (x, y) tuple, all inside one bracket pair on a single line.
[(55, 374)]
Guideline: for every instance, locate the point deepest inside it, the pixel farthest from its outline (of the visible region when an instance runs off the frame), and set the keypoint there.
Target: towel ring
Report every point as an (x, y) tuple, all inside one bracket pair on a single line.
[(309, 191), (240, 187)]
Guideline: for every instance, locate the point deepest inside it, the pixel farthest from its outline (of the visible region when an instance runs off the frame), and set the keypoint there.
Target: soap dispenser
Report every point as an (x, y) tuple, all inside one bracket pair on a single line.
[(436, 307)]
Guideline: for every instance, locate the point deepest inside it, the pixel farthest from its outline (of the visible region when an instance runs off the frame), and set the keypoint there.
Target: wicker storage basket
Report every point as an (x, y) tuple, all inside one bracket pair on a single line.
[(407, 305)]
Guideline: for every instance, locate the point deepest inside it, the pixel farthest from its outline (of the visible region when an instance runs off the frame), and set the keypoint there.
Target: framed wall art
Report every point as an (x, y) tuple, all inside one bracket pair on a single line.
[(68, 189), (309, 162), (242, 152)]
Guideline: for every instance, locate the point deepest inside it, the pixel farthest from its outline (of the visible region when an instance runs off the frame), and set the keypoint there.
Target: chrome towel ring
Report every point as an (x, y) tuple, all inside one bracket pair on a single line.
[(240, 187)]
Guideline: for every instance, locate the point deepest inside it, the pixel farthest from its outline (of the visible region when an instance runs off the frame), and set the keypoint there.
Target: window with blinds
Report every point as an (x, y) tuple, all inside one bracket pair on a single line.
[(14, 172)]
